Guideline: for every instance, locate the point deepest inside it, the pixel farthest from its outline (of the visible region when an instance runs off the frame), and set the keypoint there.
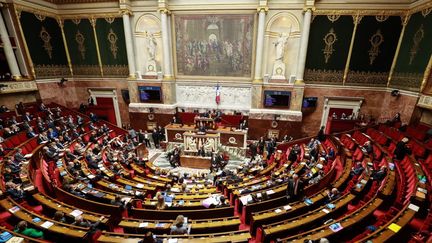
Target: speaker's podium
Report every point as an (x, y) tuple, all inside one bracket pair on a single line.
[(192, 142)]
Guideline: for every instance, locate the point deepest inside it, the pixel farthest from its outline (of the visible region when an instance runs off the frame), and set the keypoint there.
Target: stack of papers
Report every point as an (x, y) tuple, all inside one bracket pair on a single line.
[(325, 210), (47, 224), (142, 225), (14, 209), (76, 213), (287, 207), (278, 210)]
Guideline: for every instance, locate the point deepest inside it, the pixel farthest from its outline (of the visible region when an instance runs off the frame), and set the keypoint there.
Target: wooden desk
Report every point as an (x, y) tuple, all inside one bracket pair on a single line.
[(67, 230), (228, 136), (197, 162), (55, 205)]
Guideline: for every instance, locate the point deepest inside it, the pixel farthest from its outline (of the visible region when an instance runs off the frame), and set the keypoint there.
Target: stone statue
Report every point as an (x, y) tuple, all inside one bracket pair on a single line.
[(151, 68), (151, 47), (280, 46)]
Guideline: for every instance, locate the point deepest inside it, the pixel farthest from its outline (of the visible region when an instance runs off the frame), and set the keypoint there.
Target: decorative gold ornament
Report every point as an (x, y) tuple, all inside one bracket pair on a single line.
[(79, 38), (376, 40), (76, 21), (46, 38), (93, 21), (426, 12), (333, 17), (357, 19), (381, 18), (110, 20), (323, 76), (18, 13), (112, 38), (417, 38), (329, 39), (40, 16)]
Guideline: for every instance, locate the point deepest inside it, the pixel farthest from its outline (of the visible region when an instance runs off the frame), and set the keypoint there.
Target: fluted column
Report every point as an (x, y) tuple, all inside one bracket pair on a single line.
[(9, 52), (129, 44), (303, 46), (165, 45), (260, 44)]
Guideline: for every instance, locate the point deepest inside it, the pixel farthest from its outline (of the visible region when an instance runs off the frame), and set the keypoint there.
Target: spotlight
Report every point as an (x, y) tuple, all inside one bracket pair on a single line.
[(395, 93), (61, 82)]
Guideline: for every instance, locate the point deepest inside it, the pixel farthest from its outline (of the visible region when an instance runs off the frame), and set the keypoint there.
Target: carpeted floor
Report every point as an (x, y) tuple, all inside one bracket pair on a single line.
[(159, 159)]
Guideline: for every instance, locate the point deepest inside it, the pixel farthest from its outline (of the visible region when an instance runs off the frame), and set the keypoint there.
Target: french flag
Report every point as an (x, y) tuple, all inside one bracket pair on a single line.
[(218, 94)]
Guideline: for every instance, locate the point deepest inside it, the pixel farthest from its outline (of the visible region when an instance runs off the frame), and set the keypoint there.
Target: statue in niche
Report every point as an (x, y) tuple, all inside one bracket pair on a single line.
[(279, 65), (151, 50), (280, 46), (151, 47)]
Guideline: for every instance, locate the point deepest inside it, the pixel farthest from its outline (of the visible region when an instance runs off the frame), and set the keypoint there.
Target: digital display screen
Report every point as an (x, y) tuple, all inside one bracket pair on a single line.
[(150, 93), (310, 102), (277, 99)]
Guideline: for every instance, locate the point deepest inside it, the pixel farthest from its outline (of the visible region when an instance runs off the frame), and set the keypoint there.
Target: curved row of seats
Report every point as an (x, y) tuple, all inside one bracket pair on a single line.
[(364, 201)]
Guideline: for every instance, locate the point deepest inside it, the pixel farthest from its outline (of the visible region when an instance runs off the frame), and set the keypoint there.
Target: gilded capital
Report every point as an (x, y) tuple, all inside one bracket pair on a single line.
[(357, 19), (262, 9), (92, 20), (125, 12), (164, 10), (405, 19), (60, 22)]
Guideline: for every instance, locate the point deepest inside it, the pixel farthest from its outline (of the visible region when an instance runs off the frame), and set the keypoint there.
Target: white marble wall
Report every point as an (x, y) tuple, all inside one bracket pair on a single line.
[(204, 96)]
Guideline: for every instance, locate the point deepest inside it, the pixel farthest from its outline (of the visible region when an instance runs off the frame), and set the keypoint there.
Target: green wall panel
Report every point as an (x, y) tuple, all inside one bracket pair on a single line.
[(103, 30), (390, 30), (318, 70), (414, 53), (85, 54), (32, 28), (363, 71)]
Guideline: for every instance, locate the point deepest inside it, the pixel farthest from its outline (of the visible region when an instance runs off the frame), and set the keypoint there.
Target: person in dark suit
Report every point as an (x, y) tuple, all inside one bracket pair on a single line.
[(321, 135), (155, 136), (19, 157), (27, 117), (176, 120), (43, 138), (332, 195), (401, 149), (294, 188), (31, 133), (93, 117), (201, 151), (261, 145)]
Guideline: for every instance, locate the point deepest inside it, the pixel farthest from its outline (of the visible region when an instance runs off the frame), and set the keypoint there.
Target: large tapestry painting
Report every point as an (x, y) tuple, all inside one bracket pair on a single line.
[(214, 45)]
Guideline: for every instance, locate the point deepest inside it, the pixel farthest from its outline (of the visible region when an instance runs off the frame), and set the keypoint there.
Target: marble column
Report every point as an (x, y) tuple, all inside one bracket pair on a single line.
[(260, 45), (9, 52), (165, 45), (303, 46), (129, 44)]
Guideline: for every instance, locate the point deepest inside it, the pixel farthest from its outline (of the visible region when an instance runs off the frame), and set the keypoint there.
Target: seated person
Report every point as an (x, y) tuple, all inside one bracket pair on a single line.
[(81, 222), (332, 195), (179, 226), (43, 138), (31, 133), (357, 169), (379, 175), (14, 191), (30, 232), (60, 217), (176, 120), (18, 156), (160, 205)]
